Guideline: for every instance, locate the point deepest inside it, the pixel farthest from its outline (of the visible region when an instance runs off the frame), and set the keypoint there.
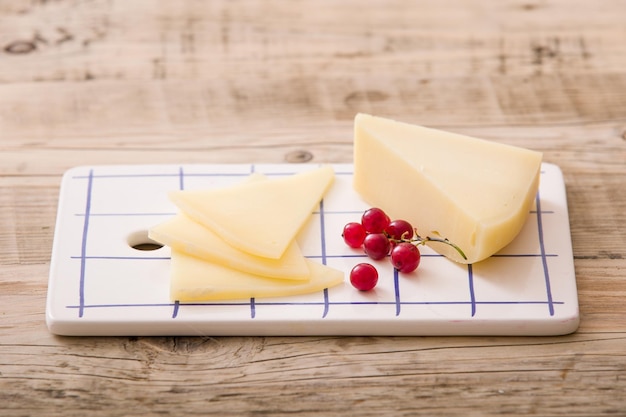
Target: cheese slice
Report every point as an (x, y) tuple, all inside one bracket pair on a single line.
[(196, 280), (260, 217), (471, 191), (184, 235)]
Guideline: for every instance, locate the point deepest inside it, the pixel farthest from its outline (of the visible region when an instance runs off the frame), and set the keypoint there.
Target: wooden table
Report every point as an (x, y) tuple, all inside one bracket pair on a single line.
[(112, 81)]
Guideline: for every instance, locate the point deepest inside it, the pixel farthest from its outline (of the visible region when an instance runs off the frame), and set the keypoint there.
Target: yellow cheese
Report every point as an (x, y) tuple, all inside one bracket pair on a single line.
[(473, 192), (193, 279), (184, 235), (260, 217)]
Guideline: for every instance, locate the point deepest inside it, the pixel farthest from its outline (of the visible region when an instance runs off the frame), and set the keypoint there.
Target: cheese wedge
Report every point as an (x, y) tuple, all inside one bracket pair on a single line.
[(184, 235), (261, 218), (196, 280), (471, 191)]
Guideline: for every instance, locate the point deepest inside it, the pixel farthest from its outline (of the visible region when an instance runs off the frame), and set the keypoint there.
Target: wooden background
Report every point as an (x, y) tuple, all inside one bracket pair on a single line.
[(114, 81)]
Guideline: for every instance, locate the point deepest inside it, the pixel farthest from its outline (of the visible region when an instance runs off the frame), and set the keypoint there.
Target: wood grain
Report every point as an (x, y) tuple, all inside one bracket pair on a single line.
[(119, 82)]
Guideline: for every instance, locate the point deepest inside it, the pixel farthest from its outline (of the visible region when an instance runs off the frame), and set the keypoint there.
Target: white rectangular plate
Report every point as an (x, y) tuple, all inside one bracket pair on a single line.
[(100, 284)]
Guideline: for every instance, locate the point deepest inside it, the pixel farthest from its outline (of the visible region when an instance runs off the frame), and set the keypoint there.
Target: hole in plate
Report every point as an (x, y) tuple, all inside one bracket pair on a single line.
[(140, 241)]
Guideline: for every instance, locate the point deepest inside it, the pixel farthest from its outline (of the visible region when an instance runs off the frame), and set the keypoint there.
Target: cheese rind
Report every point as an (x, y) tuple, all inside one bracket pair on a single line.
[(196, 280), (471, 191), (184, 235), (259, 217)]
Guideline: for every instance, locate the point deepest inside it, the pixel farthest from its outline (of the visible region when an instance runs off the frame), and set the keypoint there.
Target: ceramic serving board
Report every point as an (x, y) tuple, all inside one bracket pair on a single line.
[(104, 282)]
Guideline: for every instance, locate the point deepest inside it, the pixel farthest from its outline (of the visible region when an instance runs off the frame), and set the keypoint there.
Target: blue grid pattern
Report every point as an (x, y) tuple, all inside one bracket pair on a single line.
[(114, 195)]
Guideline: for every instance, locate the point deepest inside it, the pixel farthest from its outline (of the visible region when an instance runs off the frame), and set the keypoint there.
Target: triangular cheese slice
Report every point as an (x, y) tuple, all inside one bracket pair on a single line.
[(184, 235), (473, 192), (260, 217), (196, 280)]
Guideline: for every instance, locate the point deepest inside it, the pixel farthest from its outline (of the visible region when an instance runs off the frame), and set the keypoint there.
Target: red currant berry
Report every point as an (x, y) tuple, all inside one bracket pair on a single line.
[(374, 220), (376, 245), (405, 257), (399, 229), (354, 234), (364, 277)]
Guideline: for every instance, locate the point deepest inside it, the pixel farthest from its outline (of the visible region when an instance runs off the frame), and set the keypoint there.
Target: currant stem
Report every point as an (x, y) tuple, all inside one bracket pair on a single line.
[(418, 240)]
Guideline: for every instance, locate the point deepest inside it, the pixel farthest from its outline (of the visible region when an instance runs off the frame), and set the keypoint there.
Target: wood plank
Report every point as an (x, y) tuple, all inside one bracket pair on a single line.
[(246, 371), (109, 81)]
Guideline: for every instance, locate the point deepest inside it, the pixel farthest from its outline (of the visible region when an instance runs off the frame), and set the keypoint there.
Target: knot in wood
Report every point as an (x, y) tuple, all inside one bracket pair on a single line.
[(298, 156)]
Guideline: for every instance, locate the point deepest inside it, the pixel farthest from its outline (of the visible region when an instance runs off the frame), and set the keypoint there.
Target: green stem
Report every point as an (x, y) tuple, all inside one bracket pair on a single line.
[(446, 241), (418, 240)]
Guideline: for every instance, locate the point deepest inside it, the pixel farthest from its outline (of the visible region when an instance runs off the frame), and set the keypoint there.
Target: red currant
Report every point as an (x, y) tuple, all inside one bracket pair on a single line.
[(374, 220), (364, 277), (354, 234), (376, 245), (405, 257), (399, 229)]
